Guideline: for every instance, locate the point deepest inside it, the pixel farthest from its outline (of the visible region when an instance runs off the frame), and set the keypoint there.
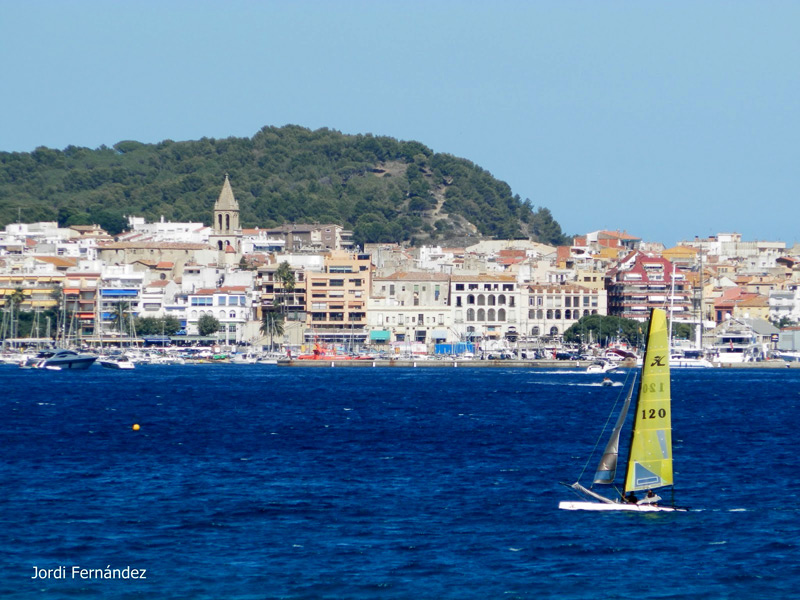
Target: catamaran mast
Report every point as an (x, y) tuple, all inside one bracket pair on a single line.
[(671, 306), (699, 332)]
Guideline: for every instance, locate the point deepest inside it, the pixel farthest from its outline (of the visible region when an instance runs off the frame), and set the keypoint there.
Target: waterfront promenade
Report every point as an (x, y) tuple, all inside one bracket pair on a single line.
[(507, 364)]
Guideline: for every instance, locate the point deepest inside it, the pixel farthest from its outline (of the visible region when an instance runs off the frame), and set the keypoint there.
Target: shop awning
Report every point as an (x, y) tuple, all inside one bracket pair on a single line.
[(379, 336), (439, 334)]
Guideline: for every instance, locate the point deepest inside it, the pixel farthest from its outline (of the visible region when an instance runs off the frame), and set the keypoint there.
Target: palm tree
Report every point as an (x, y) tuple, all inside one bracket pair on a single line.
[(285, 276), (121, 310), (272, 325), (13, 300)]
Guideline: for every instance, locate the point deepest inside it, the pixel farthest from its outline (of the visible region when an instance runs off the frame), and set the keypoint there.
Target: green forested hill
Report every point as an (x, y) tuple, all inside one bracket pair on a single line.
[(383, 189)]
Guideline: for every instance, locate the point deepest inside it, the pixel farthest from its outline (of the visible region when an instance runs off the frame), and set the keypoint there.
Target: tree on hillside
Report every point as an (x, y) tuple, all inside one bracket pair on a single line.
[(280, 175)]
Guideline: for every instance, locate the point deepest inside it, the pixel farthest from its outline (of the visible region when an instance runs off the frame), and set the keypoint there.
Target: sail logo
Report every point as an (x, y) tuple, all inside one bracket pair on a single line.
[(658, 361)]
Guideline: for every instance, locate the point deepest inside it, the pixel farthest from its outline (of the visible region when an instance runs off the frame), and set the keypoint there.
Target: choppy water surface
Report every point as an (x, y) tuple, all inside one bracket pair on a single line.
[(253, 482)]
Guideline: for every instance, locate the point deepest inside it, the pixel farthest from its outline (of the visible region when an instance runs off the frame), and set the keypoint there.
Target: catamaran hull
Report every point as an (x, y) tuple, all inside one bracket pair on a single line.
[(600, 506)]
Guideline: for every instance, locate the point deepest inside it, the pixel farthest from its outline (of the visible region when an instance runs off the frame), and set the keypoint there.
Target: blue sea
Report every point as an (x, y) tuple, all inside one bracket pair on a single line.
[(258, 482)]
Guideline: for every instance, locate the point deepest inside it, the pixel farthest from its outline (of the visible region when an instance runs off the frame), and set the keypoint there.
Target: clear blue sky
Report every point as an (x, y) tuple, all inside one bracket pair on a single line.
[(666, 119)]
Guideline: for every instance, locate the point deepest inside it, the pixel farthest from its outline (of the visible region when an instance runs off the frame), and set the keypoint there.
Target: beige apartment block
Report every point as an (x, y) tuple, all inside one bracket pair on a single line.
[(336, 299), (411, 307)]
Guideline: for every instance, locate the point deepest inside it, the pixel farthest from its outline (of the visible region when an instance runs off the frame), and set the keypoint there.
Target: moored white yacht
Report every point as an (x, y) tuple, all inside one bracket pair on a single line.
[(685, 358), (737, 343), (60, 358), (116, 361)]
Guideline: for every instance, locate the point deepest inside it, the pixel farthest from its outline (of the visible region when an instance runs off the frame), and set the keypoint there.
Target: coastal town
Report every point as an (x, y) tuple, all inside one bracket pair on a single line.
[(494, 299)]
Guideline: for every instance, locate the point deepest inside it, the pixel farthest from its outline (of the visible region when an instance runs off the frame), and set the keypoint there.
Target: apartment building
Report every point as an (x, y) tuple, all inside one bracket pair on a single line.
[(485, 306), (228, 304), (552, 309), (411, 307), (336, 299), (641, 282)]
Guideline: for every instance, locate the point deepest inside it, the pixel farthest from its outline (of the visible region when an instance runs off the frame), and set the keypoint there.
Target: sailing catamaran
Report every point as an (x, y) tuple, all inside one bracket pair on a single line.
[(650, 453)]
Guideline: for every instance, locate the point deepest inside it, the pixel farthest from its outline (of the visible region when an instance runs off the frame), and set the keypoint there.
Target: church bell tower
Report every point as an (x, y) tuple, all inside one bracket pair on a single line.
[(226, 234)]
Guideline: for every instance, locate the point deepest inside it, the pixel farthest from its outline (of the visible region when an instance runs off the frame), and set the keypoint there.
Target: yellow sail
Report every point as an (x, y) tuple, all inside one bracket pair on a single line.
[(650, 459)]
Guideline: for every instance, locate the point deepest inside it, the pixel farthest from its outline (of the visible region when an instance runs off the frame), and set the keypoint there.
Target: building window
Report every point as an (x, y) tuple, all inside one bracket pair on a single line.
[(470, 314)]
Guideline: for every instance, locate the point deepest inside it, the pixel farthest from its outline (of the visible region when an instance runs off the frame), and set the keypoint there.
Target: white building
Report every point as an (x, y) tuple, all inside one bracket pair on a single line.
[(552, 309), (410, 307), (118, 285), (785, 304), (232, 306), (165, 231), (485, 306)]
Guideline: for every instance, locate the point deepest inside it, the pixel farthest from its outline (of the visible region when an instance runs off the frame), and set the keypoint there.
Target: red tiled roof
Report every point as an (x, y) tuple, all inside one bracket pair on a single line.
[(230, 289), (58, 261)]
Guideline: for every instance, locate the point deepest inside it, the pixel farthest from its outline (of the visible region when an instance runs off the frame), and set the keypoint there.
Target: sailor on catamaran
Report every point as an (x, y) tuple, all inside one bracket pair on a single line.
[(651, 498)]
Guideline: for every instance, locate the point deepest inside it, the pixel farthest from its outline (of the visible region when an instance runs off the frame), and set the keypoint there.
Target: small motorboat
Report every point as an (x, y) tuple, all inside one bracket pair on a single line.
[(116, 361), (601, 366)]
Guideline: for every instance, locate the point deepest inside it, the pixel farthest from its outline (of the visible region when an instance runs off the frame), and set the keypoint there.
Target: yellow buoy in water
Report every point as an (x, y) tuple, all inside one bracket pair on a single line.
[(136, 427)]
